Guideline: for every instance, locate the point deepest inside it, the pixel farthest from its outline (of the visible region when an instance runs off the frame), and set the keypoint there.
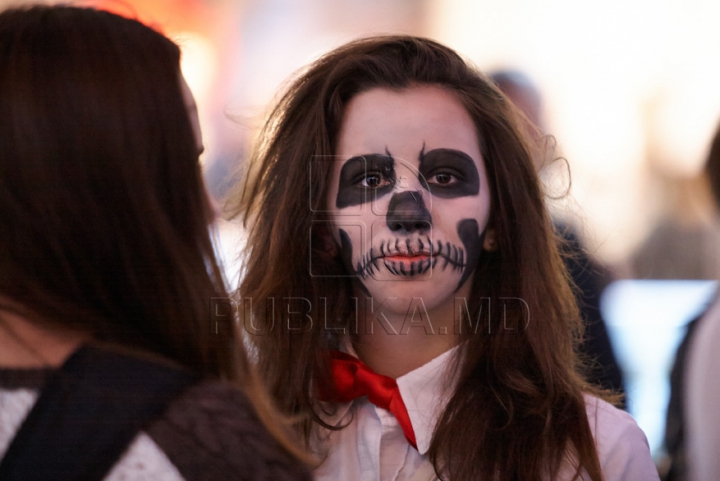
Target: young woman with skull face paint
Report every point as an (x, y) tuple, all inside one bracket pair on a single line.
[(391, 187)]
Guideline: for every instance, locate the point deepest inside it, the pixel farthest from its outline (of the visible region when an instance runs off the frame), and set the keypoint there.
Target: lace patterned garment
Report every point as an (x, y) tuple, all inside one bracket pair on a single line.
[(210, 433), (143, 460)]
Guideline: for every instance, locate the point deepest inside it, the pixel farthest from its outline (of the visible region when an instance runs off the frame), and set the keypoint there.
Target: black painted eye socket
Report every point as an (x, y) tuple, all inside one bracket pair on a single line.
[(363, 175), (449, 173)]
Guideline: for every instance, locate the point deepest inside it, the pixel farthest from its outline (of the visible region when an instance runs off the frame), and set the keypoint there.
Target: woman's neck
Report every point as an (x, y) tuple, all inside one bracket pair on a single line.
[(394, 340), (26, 345)]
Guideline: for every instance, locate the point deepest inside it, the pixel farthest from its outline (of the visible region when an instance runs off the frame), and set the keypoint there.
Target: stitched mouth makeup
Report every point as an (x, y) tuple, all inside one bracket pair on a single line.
[(410, 257)]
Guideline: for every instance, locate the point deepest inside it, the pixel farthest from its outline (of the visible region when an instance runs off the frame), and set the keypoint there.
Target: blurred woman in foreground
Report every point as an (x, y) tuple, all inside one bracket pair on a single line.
[(109, 365)]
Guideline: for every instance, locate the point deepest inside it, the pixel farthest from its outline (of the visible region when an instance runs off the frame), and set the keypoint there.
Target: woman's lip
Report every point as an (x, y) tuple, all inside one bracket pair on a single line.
[(407, 258)]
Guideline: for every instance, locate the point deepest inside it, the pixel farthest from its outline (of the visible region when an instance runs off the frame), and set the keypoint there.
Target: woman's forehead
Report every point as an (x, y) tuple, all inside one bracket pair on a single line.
[(383, 118)]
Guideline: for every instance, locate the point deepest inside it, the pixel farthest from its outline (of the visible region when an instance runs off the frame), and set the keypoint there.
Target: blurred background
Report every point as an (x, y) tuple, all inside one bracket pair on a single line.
[(630, 89)]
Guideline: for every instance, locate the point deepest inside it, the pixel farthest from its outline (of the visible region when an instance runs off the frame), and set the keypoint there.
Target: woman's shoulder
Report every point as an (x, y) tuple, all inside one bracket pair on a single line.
[(211, 432), (207, 432), (606, 419), (622, 446)]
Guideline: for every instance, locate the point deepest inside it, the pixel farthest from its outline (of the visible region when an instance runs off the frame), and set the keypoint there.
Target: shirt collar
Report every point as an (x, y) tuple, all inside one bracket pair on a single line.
[(425, 392)]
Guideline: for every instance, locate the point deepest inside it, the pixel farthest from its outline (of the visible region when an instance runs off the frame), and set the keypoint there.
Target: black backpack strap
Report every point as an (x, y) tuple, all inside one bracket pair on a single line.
[(88, 413)]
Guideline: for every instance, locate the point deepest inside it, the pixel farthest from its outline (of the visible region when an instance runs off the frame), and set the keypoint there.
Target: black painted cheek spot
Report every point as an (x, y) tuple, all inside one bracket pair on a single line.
[(472, 239), (346, 251)]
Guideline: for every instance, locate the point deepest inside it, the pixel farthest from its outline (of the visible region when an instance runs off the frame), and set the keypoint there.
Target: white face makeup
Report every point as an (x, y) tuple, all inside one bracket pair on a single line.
[(409, 199)]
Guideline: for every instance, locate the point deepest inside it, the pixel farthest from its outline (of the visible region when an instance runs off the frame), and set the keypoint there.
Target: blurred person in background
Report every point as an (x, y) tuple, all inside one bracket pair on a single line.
[(673, 463), (393, 188), (701, 387), (109, 368), (588, 275)]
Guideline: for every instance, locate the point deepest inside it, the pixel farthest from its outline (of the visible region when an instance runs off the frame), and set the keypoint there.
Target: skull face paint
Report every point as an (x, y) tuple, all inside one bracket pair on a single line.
[(409, 199)]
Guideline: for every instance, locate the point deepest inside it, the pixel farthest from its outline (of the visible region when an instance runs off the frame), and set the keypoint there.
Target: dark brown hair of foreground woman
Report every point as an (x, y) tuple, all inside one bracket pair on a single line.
[(103, 211), (518, 410)]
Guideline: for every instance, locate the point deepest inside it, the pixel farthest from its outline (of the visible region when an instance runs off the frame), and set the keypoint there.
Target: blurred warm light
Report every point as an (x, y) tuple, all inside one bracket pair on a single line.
[(165, 15), (199, 62), (280, 37), (683, 124), (622, 79)]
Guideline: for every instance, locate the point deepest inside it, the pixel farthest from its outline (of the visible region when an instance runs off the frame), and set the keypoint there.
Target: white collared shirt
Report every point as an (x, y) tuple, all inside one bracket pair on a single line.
[(373, 448)]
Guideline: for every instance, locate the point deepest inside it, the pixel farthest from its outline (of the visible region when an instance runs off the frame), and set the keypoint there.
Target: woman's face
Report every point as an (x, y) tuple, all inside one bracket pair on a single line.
[(192, 111), (409, 199)]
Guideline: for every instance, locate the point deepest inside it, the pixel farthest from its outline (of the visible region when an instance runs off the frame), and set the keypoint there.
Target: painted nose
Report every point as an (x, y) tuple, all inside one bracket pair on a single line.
[(407, 213)]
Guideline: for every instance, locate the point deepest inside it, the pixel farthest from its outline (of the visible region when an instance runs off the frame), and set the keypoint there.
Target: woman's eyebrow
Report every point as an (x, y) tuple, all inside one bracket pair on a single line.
[(353, 162), (367, 160), (451, 153)]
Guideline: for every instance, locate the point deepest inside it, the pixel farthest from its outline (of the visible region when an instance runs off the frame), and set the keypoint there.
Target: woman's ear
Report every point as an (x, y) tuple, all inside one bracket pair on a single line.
[(490, 241)]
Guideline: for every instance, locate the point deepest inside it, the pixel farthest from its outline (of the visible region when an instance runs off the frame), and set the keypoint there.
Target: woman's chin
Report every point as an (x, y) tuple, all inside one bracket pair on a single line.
[(408, 294)]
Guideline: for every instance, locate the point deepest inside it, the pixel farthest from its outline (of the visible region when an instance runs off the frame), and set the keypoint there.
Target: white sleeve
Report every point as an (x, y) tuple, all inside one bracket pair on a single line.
[(622, 446), (144, 461), (702, 399)]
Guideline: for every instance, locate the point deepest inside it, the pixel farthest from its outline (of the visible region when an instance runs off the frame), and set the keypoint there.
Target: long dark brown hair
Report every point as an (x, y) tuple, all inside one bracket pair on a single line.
[(518, 411), (103, 211)]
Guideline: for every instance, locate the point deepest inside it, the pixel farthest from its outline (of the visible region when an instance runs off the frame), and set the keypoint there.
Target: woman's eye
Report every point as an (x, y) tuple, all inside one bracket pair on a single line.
[(443, 178), (374, 181)]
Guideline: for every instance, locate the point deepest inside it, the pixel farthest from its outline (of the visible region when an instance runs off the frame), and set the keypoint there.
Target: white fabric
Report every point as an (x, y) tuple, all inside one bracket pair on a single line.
[(702, 399), (15, 405), (622, 446), (143, 460), (372, 447)]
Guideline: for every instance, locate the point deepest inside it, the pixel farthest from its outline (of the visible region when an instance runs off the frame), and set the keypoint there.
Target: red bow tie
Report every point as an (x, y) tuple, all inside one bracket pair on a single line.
[(354, 379)]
